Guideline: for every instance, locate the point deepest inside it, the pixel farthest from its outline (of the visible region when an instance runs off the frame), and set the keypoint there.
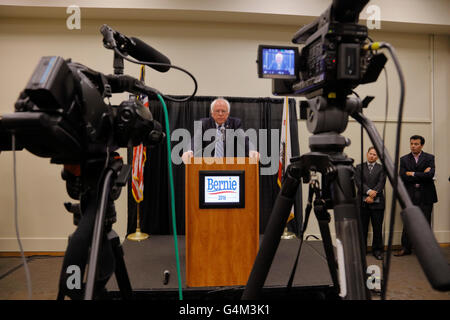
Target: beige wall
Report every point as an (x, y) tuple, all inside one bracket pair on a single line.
[(205, 49)]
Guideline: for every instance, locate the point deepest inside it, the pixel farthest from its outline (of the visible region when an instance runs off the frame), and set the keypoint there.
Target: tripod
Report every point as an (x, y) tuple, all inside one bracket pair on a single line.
[(326, 119), (94, 242)]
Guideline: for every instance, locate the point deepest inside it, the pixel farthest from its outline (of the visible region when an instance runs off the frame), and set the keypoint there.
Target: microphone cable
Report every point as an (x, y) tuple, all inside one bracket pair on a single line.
[(167, 65), (16, 222), (172, 195), (169, 162), (387, 262), (386, 112)]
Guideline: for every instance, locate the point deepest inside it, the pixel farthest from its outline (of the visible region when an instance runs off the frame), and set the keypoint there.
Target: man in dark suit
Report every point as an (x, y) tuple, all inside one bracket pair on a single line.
[(218, 123), (371, 199), (278, 63), (417, 172)]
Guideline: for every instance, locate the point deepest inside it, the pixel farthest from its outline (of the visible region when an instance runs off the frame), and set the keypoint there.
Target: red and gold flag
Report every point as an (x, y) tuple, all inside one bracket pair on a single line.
[(139, 157)]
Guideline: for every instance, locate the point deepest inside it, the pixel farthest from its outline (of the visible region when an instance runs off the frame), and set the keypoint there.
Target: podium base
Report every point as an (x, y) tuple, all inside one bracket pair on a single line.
[(137, 236)]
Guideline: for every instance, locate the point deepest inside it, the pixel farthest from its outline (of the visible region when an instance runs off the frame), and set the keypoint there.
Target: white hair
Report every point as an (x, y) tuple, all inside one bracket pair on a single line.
[(220, 98)]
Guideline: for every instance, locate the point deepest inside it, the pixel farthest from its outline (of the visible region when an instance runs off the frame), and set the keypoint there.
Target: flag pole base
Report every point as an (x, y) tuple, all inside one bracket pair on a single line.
[(287, 235), (137, 236)]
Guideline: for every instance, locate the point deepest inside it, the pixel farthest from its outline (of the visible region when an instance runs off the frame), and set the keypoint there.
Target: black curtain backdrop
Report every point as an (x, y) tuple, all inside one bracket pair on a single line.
[(155, 211)]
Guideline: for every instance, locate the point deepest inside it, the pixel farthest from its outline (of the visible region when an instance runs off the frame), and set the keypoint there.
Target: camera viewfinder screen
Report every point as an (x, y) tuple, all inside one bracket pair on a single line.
[(278, 62)]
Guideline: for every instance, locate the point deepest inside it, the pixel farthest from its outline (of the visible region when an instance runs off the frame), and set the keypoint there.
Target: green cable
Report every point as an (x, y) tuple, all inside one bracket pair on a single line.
[(172, 195)]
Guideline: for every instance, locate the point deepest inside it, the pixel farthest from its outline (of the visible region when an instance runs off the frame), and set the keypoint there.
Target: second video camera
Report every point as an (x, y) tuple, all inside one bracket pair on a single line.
[(333, 59)]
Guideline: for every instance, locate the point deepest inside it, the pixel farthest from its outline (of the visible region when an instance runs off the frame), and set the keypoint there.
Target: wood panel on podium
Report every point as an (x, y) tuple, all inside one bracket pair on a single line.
[(221, 243)]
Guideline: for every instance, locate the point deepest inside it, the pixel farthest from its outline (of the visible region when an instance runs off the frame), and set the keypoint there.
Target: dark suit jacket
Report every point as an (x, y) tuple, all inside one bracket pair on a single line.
[(274, 66), (374, 180), (231, 123), (423, 179)]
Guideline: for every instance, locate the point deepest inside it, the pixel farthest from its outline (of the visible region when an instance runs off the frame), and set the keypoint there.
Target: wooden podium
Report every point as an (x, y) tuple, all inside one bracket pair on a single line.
[(221, 243)]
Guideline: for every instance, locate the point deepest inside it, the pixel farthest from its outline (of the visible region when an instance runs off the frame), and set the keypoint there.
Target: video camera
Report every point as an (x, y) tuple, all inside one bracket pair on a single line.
[(337, 56), (334, 57), (62, 113)]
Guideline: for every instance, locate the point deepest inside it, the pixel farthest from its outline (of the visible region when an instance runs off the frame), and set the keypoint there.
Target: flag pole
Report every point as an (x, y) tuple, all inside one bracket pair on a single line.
[(139, 157), (287, 235), (138, 235)]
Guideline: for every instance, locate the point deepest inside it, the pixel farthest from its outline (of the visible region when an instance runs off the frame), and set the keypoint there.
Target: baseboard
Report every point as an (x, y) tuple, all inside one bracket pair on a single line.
[(395, 241), (57, 246), (35, 244), (442, 236), (32, 253)]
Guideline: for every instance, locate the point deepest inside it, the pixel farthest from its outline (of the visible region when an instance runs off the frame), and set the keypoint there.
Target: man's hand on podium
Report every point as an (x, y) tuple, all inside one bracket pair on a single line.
[(186, 157), (254, 154)]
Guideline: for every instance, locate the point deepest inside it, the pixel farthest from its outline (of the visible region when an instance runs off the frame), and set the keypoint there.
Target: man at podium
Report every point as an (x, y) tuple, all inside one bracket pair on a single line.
[(220, 121)]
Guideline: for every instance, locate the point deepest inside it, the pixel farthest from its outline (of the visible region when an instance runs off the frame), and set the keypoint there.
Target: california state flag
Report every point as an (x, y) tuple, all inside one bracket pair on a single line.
[(285, 147)]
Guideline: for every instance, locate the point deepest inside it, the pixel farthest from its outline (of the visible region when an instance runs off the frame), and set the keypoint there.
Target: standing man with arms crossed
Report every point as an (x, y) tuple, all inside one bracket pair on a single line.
[(373, 201), (417, 172)]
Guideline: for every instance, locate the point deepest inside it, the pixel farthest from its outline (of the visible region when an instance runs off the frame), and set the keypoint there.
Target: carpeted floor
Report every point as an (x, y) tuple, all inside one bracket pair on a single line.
[(407, 280)]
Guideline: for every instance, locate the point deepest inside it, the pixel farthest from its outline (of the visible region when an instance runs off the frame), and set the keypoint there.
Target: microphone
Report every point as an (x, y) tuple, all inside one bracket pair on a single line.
[(142, 51), (135, 47)]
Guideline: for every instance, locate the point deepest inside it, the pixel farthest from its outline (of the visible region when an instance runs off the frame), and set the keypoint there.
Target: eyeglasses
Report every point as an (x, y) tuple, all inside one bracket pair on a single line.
[(220, 111)]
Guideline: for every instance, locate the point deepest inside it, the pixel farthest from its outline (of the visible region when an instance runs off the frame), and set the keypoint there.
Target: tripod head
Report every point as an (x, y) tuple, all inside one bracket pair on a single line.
[(326, 117), (77, 184)]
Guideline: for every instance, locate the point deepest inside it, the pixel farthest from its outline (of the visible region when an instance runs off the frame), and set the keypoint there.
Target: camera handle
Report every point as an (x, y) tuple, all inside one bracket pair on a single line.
[(118, 64)]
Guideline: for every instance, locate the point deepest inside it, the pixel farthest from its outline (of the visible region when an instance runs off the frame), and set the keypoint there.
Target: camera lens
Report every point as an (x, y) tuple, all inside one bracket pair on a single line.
[(126, 115)]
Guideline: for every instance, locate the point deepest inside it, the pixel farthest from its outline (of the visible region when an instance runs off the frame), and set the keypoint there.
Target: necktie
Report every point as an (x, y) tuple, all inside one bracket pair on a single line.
[(219, 143), (370, 167)]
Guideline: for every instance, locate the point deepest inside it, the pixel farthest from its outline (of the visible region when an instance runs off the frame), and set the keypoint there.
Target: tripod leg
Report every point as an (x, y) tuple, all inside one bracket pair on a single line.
[(323, 217), (271, 240), (121, 273), (348, 236), (97, 236), (77, 251)]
